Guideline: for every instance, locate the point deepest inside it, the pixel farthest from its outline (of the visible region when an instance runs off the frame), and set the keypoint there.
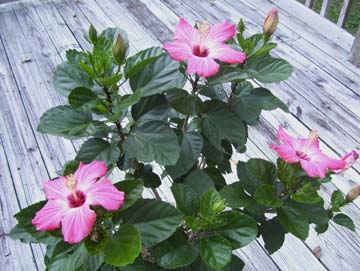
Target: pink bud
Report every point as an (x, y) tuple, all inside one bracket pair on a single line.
[(350, 159), (353, 193), (271, 22)]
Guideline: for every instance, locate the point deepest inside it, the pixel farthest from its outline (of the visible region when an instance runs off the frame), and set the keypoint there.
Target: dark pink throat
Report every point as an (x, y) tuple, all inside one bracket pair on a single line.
[(303, 155), (78, 200), (200, 52)]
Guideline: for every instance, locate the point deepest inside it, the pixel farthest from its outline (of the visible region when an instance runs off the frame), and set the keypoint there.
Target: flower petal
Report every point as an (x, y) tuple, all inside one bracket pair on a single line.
[(203, 66), (286, 152), (88, 174), (185, 32), (284, 137), (56, 189), (225, 53), (314, 169), (49, 217), (221, 32), (104, 193), (179, 51), (77, 223)]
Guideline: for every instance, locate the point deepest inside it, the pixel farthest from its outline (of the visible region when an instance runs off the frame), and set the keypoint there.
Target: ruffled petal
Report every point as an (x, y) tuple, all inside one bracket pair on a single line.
[(314, 169), (284, 137), (56, 189), (286, 152), (178, 50), (77, 224), (221, 32), (87, 174), (203, 66), (104, 193), (333, 164), (186, 32), (49, 217), (225, 53)]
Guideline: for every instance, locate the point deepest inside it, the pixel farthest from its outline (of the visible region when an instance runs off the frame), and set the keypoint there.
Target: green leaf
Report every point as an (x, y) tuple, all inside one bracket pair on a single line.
[(124, 247), (294, 220), (133, 190), (156, 220), (215, 252), (344, 220), (82, 98), (92, 34), (273, 235), (70, 123), (265, 195), (306, 194), (220, 123), (227, 74), (268, 69), (191, 146), (68, 257), (25, 231), (124, 103), (337, 200), (287, 173), (214, 92), (96, 241), (239, 228), (249, 104), (175, 252), (68, 76), (182, 101), (98, 149), (216, 175), (137, 62), (157, 77), (211, 204), (235, 196), (69, 168), (151, 179), (109, 81), (151, 108), (152, 140), (256, 172), (187, 200), (199, 181)]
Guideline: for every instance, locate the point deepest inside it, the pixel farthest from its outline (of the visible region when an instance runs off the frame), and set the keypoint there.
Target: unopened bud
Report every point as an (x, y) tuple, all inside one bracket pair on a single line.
[(218, 206), (354, 193), (241, 26), (95, 236), (119, 49), (271, 22), (92, 34)]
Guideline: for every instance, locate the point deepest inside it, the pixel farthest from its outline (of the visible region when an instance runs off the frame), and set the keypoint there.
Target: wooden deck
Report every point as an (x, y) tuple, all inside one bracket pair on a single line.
[(323, 93)]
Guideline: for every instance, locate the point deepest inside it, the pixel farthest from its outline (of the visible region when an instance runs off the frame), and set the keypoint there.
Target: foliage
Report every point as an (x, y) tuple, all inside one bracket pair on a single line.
[(191, 133)]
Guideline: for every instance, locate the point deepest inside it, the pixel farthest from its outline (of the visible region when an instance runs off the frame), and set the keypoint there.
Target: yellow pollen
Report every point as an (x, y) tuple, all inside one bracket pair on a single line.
[(70, 181), (314, 134)]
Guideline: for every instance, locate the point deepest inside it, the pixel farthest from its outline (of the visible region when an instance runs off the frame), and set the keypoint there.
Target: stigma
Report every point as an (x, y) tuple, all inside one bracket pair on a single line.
[(70, 181), (204, 28)]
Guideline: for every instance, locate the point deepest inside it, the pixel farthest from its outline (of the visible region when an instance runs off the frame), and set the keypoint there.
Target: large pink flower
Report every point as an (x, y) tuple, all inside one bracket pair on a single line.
[(200, 47), (307, 152), (70, 198)]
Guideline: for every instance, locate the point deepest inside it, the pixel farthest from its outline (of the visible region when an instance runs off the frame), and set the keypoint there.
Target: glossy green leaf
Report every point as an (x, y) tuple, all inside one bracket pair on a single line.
[(294, 220), (344, 220), (215, 252), (273, 235), (227, 74), (98, 149), (239, 228), (187, 200), (123, 247), (175, 252), (68, 76), (137, 62), (265, 195), (182, 101), (199, 181), (152, 140), (156, 220), (211, 204), (214, 92), (82, 98), (157, 77), (337, 200), (151, 108), (191, 146), (133, 190), (220, 123), (306, 194), (70, 123), (235, 196)]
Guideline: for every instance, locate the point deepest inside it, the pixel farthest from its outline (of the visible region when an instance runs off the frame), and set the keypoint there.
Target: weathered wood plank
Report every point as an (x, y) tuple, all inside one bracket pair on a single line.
[(314, 20), (344, 13), (355, 50)]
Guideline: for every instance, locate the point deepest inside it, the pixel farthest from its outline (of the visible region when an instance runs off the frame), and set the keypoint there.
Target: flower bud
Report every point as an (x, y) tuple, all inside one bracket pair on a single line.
[(119, 49), (271, 22), (353, 193)]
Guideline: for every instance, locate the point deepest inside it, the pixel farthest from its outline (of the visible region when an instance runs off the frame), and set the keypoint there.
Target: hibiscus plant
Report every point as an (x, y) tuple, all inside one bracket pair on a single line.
[(178, 113)]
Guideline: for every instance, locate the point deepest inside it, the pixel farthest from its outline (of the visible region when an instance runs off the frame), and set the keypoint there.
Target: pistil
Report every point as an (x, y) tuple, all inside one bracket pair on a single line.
[(71, 184), (204, 29)]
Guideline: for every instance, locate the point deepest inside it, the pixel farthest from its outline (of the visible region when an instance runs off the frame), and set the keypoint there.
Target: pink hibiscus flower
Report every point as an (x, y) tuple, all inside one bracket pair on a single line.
[(349, 159), (306, 151), (200, 47), (70, 198)]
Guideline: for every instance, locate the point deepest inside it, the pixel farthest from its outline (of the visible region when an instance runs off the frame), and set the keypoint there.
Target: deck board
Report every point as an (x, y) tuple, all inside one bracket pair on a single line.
[(321, 93)]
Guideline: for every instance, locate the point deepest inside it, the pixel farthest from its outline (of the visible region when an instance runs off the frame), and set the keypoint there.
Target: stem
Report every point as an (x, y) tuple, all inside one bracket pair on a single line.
[(184, 128), (117, 123)]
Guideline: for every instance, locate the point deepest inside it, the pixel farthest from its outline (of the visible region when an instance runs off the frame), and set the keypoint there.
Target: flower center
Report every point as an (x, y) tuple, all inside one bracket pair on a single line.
[(200, 52), (302, 155), (76, 199)]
